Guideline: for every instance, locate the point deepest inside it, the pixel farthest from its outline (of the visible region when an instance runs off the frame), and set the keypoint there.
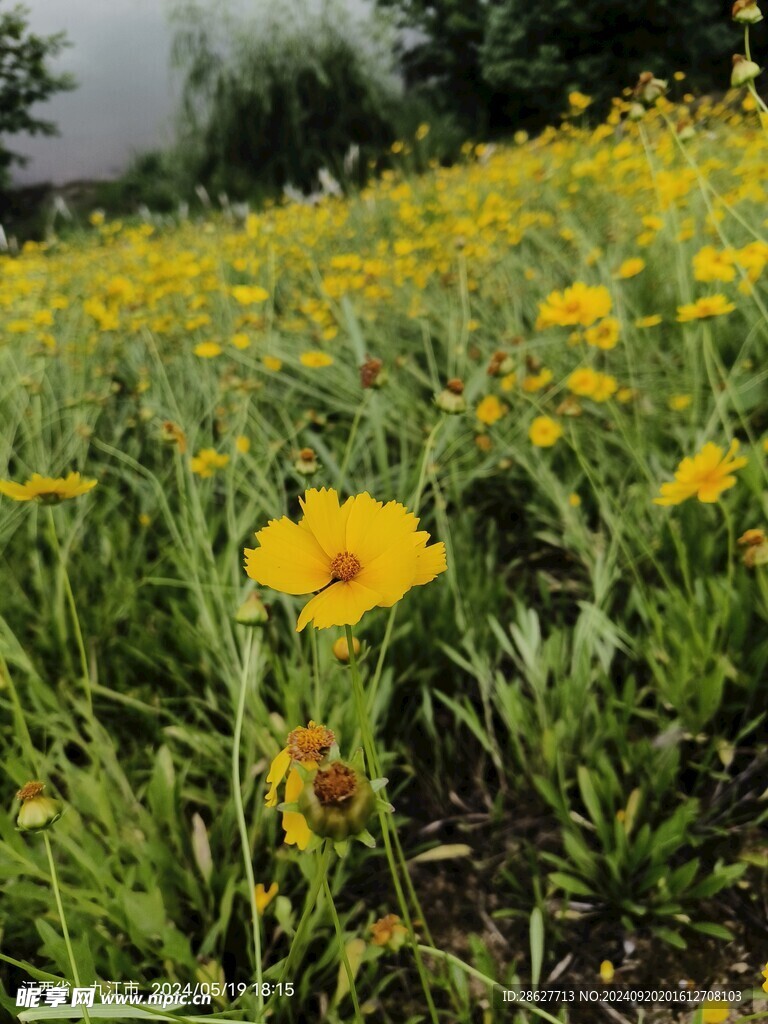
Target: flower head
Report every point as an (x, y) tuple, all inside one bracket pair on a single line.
[(703, 309), (359, 555), (37, 812), (47, 490), (207, 461), (544, 431), (307, 747), (388, 931), (581, 304), (705, 476)]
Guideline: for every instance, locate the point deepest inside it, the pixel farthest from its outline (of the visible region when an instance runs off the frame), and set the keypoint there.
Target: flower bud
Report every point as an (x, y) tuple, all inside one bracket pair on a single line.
[(744, 71), (746, 12), (171, 433), (341, 648), (755, 544), (649, 88), (636, 112), (337, 801), (37, 812), (451, 399), (306, 464), (372, 373), (501, 363), (252, 612)]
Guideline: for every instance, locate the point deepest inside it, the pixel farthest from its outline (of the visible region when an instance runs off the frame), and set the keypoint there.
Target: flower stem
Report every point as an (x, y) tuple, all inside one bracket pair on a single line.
[(342, 948), (375, 770), (72, 610), (62, 918), (20, 719), (240, 812)]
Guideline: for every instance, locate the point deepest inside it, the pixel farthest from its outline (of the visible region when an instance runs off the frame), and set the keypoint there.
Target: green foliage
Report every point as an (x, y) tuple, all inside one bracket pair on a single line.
[(25, 79), (512, 62), (271, 102)]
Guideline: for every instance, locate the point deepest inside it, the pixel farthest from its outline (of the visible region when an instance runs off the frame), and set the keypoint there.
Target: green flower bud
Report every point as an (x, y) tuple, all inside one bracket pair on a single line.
[(252, 612), (451, 399), (746, 12), (306, 464), (37, 812), (744, 71), (337, 801)]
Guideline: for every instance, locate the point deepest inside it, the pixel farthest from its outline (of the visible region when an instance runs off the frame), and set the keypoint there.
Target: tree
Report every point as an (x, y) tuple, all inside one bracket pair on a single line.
[(504, 63), (25, 79)]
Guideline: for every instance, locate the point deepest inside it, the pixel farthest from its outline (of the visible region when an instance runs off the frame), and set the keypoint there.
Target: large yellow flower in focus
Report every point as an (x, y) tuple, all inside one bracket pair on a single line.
[(360, 555), (706, 475), (47, 489)]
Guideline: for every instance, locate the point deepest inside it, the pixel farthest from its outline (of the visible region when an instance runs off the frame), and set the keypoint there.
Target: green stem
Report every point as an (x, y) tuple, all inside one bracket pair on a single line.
[(62, 918), (350, 441), (342, 949), (375, 770), (323, 860), (72, 610), (20, 719), (240, 812)]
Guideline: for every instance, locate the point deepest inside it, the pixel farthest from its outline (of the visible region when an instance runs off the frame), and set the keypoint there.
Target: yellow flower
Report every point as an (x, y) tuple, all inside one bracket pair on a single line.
[(47, 490), (578, 101), (710, 264), (579, 305), (315, 358), (241, 340), (583, 381), (307, 747), (207, 461), (490, 410), (604, 335), (605, 387), (360, 555), (714, 1013), (630, 268), (606, 972), (544, 431), (536, 381), (702, 309), (264, 897), (574, 500), (208, 349), (242, 444), (677, 403), (648, 321), (388, 931), (247, 294), (272, 363), (706, 475)]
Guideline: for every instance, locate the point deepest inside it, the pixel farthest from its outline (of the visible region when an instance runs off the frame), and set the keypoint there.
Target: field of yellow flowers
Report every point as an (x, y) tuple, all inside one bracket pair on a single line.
[(384, 590)]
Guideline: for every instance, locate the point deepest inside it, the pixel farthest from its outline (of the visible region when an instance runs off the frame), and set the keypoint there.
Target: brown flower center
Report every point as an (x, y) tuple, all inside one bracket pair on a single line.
[(310, 744), (345, 567), (335, 784), (30, 790)]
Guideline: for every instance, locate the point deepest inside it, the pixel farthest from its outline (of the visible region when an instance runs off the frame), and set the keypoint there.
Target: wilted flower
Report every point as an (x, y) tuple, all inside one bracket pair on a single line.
[(746, 12), (451, 399), (744, 71), (306, 463), (389, 931), (755, 544), (337, 801), (372, 373)]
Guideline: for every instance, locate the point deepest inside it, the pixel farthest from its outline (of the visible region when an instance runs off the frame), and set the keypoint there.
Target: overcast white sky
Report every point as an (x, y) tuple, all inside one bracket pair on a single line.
[(126, 97)]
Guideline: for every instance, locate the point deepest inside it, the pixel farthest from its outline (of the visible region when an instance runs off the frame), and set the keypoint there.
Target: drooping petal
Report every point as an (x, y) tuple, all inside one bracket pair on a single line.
[(297, 831), (342, 604), (323, 518), (277, 770), (288, 559)]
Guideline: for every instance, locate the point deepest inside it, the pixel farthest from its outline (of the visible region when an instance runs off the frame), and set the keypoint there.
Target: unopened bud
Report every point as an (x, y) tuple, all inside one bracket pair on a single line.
[(341, 648), (746, 12), (501, 363), (636, 112), (649, 88), (744, 71), (306, 464), (252, 612), (451, 399), (37, 812), (372, 373)]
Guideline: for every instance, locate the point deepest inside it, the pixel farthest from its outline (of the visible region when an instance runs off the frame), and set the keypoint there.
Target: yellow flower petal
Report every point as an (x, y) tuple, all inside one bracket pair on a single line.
[(297, 832), (277, 770), (323, 518), (430, 562), (288, 559), (342, 604)]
